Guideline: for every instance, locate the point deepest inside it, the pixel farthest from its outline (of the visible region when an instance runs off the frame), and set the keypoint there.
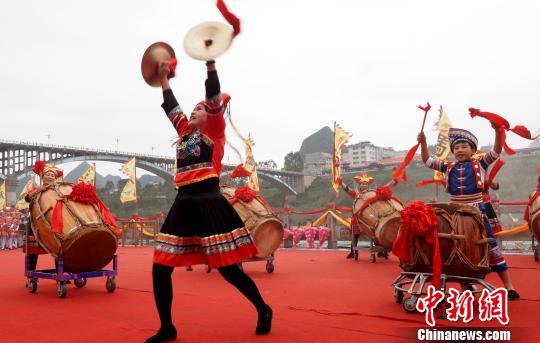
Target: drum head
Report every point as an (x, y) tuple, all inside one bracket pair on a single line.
[(208, 40), (267, 237), (91, 250)]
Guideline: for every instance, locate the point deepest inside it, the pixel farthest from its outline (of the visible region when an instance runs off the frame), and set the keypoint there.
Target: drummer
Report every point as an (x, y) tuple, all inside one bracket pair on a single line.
[(201, 227), (48, 175), (466, 184), (363, 180)]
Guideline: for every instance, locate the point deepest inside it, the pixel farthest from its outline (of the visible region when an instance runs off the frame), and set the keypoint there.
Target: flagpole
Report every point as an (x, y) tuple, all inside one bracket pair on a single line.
[(136, 195), (95, 174)]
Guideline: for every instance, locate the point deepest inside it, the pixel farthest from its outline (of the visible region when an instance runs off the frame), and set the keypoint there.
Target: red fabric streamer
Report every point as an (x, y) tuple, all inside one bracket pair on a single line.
[(240, 171), (503, 125), (506, 148), (494, 171), (429, 182), (107, 216), (419, 220), (522, 131), (172, 67), (231, 18), (400, 171), (57, 224), (495, 119)]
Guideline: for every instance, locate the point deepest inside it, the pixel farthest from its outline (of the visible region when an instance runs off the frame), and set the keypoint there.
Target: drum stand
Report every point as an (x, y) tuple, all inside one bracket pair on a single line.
[(62, 278), (415, 285), (374, 251), (536, 249), (269, 263)]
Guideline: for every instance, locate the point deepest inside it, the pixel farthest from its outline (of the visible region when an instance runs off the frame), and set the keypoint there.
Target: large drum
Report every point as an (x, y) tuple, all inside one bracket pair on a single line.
[(380, 220), (264, 226), (534, 216), (86, 243), (463, 243)]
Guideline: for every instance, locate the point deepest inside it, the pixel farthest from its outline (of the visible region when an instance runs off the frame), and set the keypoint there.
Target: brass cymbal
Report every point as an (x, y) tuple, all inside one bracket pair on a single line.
[(208, 40), (154, 54)]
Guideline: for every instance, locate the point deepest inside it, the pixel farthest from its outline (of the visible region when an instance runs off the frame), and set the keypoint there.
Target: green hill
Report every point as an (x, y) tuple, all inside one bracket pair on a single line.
[(518, 179)]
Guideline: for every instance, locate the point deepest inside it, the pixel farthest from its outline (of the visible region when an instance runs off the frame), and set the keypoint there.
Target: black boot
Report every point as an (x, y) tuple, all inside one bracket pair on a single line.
[(264, 324), (513, 295), (163, 335), (351, 254)]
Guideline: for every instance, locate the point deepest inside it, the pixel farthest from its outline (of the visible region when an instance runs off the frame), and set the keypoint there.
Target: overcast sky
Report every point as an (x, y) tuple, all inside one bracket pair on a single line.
[(72, 69)]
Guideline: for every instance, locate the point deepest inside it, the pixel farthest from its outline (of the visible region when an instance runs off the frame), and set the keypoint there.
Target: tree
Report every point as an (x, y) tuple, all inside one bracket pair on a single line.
[(294, 162)]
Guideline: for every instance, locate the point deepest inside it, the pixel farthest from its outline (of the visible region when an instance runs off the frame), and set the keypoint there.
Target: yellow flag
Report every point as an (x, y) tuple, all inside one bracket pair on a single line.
[(340, 138), (249, 165), (21, 202), (443, 142), (89, 176), (3, 195), (129, 193)]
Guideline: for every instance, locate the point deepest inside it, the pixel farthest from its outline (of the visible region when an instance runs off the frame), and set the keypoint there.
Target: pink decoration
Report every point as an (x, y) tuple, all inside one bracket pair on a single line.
[(324, 234), (298, 233)]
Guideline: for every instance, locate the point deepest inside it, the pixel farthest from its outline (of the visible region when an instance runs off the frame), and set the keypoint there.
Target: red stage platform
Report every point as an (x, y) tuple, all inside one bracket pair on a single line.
[(317, 296)]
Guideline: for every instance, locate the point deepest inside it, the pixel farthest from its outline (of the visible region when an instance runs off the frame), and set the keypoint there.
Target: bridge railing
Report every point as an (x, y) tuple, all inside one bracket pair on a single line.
[(67, 147)]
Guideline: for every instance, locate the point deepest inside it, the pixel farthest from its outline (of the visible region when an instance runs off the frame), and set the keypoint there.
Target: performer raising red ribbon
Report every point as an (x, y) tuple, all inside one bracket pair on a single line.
[(465, 183), (201, 227)]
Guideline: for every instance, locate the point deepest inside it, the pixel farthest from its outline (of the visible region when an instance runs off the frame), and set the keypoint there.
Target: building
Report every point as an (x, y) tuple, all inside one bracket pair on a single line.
[(364, 153), (317, 163)]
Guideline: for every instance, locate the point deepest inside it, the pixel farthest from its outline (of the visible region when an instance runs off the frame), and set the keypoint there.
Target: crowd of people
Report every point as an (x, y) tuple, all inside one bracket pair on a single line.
[(13, 224)]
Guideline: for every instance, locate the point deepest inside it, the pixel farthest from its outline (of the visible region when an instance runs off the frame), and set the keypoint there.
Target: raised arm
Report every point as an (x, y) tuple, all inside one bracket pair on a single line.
[(423, 146), (170, 104), (213, 89), (430, 162)]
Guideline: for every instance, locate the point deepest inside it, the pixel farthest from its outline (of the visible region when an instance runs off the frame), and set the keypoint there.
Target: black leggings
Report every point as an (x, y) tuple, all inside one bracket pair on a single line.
[(162, 281)]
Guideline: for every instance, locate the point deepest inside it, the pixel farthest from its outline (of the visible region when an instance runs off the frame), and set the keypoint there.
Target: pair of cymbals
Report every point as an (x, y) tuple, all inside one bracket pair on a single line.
[(203, 42)]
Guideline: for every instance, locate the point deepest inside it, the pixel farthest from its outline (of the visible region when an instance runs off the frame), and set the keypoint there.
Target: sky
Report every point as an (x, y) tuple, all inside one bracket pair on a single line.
[(71, 69)]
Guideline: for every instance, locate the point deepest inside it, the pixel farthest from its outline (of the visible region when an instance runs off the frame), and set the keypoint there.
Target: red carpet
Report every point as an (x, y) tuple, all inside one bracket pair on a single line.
[(317, 296)]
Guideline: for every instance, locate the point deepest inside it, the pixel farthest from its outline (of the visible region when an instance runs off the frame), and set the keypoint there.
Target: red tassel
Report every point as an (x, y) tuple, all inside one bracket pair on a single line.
[(231, 18), (38, 167), (57, 224), (172, 67), (401, 169)]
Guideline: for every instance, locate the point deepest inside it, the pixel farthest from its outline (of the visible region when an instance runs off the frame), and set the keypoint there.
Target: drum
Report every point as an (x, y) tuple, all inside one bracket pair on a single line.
[(534, 217), (463, 243), (86, 243), (380, 220), (264, 226)]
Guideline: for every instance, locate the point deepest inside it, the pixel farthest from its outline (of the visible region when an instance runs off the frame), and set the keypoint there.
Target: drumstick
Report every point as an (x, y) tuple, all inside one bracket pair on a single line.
[(426, 110)]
